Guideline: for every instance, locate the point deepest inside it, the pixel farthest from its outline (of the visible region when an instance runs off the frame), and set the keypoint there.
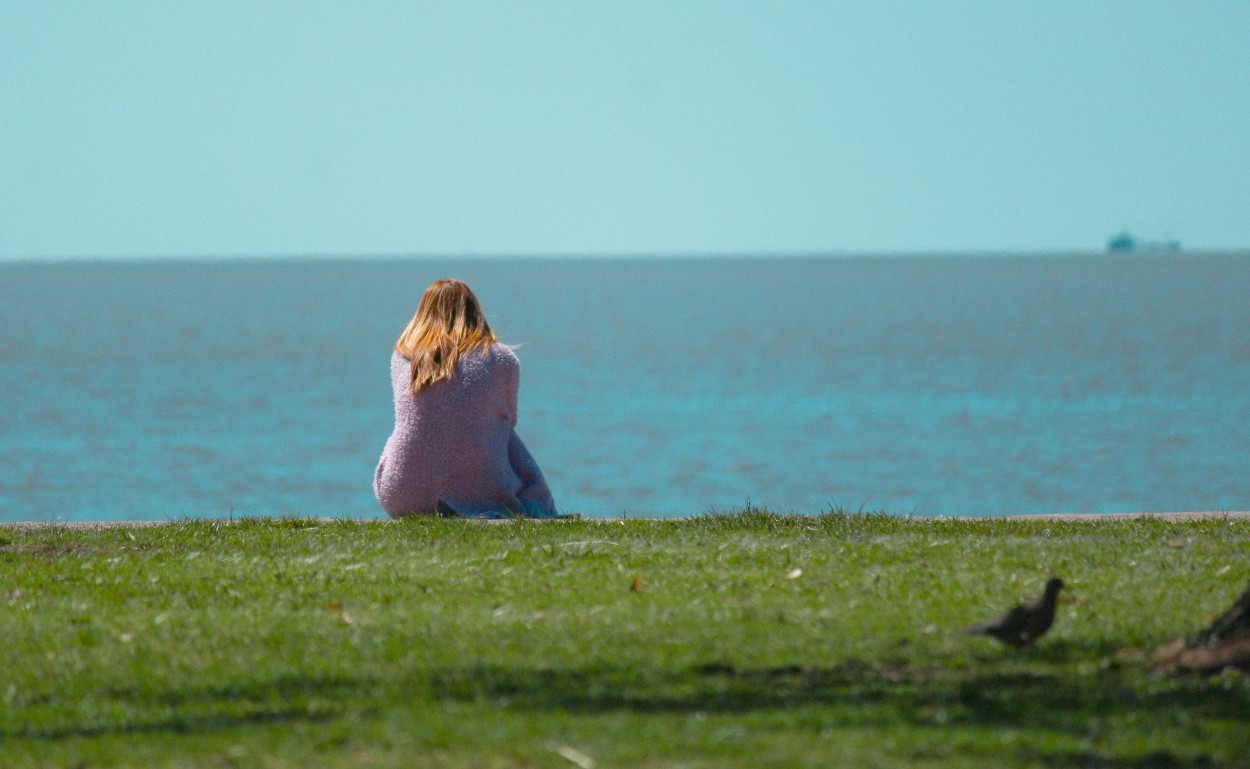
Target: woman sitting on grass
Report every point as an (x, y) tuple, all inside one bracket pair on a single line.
[(454, 450)]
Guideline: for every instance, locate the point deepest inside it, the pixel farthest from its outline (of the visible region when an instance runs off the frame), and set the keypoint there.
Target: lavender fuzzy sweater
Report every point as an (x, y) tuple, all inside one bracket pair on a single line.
[(455, 441)]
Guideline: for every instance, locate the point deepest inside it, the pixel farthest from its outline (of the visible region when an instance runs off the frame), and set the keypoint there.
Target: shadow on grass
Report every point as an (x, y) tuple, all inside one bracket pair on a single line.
[(175, 724), (1133, 704), (1036, 692), (884, 694), (285, 699), (1163, 759)]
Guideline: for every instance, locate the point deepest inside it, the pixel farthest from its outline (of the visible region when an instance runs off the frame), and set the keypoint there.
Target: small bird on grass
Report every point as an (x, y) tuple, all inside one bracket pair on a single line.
[(1023, 624)]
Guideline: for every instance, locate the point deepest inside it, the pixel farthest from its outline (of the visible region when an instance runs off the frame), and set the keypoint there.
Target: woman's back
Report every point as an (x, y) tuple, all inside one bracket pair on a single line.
[(454, 443)]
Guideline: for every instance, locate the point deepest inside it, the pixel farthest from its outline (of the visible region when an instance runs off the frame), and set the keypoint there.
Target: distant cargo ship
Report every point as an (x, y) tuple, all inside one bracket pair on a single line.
[(1123, 242)]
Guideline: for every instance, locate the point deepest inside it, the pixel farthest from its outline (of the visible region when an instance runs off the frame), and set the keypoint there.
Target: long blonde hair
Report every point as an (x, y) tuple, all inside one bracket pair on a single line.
[(448, 323)]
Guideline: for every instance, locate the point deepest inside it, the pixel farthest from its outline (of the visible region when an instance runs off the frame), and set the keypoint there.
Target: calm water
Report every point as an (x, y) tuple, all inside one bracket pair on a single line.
[(925, 386)]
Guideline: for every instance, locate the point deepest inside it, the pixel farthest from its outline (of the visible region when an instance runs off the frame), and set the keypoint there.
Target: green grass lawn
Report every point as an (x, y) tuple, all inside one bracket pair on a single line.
[(751, 640)]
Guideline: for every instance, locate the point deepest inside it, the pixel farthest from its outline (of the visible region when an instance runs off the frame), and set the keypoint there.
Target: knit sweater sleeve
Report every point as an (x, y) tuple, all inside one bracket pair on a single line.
[(508, 378), (535, 494), (513, 384)]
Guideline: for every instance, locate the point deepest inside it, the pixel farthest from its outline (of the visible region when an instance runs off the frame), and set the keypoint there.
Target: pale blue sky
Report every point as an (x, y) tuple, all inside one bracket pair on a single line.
[(219, 128)]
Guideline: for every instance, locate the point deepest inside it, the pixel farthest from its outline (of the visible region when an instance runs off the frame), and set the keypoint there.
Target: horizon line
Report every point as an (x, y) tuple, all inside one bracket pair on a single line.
[(616, 255)]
